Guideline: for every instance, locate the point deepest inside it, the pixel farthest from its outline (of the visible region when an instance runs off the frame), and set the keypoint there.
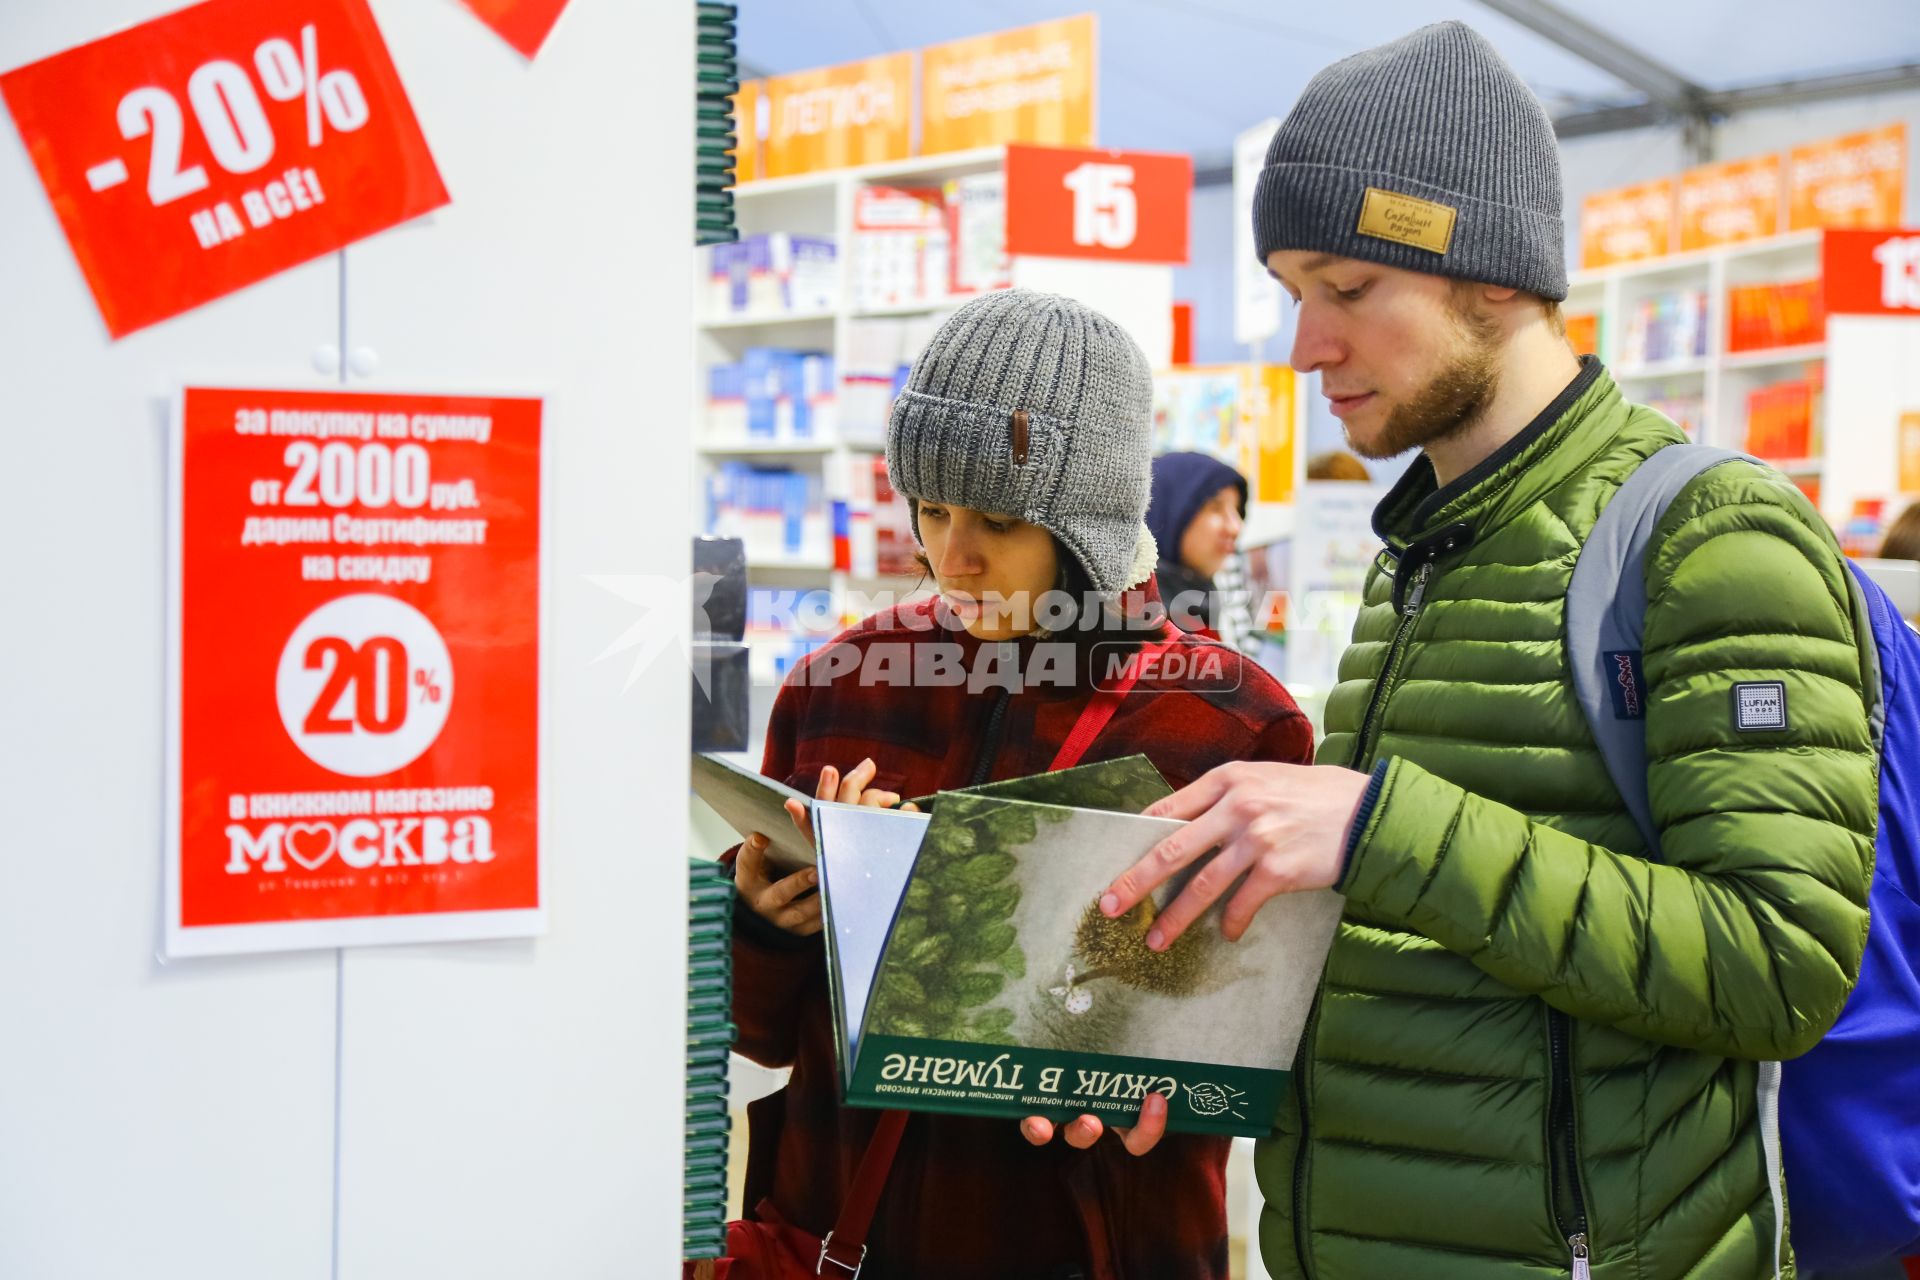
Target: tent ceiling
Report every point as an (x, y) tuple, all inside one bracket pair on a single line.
[(1185, 75)]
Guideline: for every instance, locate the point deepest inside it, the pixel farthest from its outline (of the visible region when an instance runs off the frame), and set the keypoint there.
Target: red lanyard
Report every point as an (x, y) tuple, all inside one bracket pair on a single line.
[(1105, 701)]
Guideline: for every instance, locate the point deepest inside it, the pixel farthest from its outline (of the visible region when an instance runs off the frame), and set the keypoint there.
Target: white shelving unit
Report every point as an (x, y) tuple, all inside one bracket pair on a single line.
[(1722, 378), (812, 204), (823, 204)]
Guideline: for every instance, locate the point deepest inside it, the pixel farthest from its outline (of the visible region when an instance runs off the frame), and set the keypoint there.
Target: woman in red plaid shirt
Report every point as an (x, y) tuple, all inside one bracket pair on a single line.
[(1022, 444)]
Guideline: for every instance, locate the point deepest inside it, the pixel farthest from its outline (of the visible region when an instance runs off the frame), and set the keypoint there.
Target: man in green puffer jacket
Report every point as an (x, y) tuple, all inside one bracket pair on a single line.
[(1536, 1052)]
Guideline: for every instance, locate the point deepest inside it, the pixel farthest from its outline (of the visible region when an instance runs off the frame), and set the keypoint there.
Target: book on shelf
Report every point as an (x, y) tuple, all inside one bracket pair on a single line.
[(1782, 419), (773, 395), (1786, 314), (1666, 326), (778, 513), (901, 245), (772, 275)]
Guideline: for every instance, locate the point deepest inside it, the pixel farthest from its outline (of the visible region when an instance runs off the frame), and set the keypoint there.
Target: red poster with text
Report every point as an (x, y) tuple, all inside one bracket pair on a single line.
[(524, 24), (1871, 273), (354, 725), (219, 145), (1123, 206)]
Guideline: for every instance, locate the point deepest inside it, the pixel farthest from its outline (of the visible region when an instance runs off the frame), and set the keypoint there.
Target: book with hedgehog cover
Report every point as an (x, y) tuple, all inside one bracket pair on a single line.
[(972, 971)]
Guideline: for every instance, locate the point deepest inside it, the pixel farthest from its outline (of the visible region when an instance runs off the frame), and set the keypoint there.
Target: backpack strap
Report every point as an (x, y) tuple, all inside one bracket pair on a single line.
[(1607, 613), (1606, 627)]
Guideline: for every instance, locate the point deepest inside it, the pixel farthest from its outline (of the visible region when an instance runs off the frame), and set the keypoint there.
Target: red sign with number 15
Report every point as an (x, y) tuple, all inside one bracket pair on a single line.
[(219, 145), (1871, 273), (355, 731), (1074, 202)]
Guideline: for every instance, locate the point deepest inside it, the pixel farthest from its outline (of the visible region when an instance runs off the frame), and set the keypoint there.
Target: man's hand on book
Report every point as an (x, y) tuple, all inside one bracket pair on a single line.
[(1085, 1131), (789, 902), (1282, 826)]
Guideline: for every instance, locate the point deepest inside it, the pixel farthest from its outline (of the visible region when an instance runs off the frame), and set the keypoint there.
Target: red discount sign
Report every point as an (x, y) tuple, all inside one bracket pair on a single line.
[(1871, 272), (524, 24), (219, 145), (1072, 202), (354, 735)]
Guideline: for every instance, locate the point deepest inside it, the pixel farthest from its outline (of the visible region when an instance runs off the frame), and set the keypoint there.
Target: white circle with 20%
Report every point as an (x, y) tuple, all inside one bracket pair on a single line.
[(364, 685)]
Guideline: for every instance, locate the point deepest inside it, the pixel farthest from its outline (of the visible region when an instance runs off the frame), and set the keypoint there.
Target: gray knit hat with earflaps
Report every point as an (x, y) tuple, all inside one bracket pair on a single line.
[(1428, 153), (1035, 406)]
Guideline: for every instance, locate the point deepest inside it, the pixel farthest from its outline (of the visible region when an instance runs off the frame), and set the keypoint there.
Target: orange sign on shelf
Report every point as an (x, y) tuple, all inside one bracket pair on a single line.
[(218, 145), (1728, 203), (1269, 389), (1859, 180), (1627, 225), (833, 117), (1910, 453), (1032, 84), (1117, 205)]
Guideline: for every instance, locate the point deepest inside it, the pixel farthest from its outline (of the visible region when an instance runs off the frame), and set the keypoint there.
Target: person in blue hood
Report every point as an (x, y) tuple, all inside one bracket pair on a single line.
[(1196, 510)]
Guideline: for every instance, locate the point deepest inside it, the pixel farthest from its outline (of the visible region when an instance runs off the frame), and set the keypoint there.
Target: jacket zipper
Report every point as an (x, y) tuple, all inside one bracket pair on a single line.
[(1564, 1153), (990, 738), (1409, 614)]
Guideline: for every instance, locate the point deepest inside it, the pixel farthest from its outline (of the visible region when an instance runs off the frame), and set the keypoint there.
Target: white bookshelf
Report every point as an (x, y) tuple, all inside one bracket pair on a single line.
[(823, 205), (1720, 377)]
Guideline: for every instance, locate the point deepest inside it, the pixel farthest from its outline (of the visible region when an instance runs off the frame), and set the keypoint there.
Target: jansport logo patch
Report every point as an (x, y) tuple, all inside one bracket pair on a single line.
[(1760, 705), (1625, 683)]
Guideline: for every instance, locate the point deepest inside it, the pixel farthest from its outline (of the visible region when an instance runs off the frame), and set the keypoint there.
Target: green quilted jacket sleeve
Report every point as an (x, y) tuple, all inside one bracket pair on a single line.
[(1745, 940)]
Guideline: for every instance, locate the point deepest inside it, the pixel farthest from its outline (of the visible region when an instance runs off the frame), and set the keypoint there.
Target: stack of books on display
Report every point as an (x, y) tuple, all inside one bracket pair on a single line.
[(717, 79), (709, 1040)]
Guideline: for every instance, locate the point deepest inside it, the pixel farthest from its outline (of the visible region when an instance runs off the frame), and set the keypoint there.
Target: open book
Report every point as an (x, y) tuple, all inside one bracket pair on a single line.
[(748, 802), (972, 971)]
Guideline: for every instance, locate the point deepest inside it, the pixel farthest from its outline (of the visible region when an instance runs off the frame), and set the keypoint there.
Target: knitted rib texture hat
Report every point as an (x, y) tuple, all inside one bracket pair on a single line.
[(1428, 153), (1035, 406)]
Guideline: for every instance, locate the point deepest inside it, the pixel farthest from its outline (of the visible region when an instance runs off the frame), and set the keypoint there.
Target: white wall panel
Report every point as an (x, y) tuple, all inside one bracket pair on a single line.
[(159, 1120), (507, 1109)]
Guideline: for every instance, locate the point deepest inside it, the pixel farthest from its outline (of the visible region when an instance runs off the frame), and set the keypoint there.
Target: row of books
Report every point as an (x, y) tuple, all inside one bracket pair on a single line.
[(771, 275), (1789, 314), (1666, 326), (773, 394), (1783, 419), (1672, 326), (911, 246), (780, 514), (925, 244)]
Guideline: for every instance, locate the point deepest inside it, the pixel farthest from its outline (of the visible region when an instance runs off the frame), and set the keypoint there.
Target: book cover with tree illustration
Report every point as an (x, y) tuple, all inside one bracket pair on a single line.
[(1002, 990)]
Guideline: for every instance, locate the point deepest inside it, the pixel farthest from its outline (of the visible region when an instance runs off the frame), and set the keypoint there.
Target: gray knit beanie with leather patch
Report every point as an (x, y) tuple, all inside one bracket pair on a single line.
[(1035, 406), (1428, 153)]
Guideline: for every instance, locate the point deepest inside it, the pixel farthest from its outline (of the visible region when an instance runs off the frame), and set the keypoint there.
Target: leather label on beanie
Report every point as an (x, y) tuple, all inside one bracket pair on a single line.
[(1388, 215)]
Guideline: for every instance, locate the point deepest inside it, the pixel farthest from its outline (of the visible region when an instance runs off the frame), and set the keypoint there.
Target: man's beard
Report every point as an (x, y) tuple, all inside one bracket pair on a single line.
[(1449, 405)]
